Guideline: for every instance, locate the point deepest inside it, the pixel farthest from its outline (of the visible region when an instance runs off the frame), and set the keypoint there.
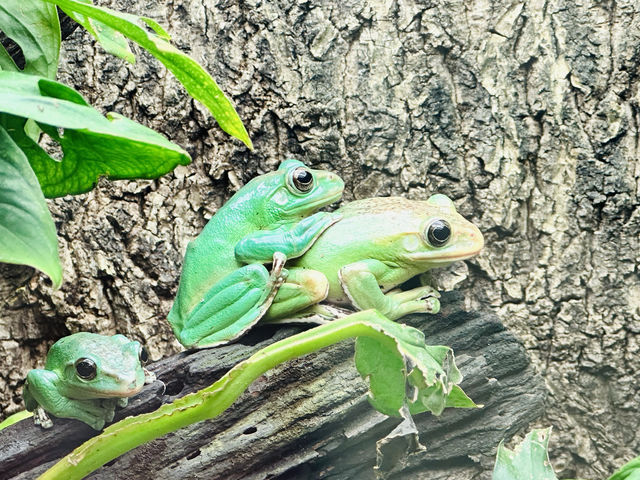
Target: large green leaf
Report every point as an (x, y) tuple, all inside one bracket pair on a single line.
[(629, 471), (529, 460), (34, 26), (195, 79), (27, 233), (93, 145), (421, 376)]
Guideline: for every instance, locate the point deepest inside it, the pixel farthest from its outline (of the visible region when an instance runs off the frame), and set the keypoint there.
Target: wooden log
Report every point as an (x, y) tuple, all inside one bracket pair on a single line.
[(310, 418)]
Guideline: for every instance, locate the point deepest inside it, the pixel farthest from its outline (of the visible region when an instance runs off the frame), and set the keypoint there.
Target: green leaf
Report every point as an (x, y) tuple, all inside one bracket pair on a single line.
[(15, 418), (111, 40), (93, 145), (529, 461), (386, 372), (34, 26), (200, 85), (410, 372), (27, 232), (629, 471)]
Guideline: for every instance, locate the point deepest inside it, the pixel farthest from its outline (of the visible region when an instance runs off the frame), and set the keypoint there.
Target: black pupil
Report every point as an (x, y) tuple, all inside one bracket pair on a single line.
[(439, 233), (303, 178), (86, 368), (144, 356)]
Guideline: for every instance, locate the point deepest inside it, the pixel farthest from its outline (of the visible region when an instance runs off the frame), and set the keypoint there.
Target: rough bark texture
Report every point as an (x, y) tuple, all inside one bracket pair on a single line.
[(526, 113), (310, 418)]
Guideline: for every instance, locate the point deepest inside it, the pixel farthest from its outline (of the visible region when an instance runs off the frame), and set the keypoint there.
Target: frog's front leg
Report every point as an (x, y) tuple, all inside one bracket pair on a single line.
[(290, 240), (361, 283), (42, 391), (232, 305)]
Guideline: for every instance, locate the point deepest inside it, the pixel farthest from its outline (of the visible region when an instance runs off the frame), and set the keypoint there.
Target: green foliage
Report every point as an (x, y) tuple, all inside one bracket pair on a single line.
[(528, 462), (15, 418), (93, 145), (111, 40), (629, 471), (403, 345), (431, 379), (34, 26), (27, 233), (195, 79)]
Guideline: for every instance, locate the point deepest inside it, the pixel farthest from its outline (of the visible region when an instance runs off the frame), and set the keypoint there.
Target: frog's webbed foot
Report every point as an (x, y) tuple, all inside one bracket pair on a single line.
[(41, 418), (417, 300), (149, 376), (108, 407), (278, 273)]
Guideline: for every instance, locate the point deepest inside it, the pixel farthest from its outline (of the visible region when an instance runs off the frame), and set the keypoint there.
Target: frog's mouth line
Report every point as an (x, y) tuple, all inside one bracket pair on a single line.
[(331, 197), (443, 259), (127, 392)]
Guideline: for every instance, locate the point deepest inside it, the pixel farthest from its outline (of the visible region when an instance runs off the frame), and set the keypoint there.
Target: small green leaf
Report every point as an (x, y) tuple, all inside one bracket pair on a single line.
[(529, 461), (458, 399), (93, 145), (6, 62), (427, 386), (200, 85), (385, 369), (27, 232), (34, 26), (111, 40), (15, 418), (629, 471)]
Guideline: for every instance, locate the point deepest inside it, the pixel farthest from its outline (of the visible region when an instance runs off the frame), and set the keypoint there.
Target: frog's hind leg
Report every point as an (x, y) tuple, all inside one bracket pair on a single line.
[(303, 288), (232, 306)]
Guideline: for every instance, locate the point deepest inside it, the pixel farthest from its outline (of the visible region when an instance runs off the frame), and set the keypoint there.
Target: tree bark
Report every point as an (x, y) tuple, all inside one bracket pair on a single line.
[(526, 113), (310, 418)]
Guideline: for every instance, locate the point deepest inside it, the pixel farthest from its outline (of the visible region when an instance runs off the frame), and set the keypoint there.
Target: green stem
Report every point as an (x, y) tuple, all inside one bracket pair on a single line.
[(213, 400)]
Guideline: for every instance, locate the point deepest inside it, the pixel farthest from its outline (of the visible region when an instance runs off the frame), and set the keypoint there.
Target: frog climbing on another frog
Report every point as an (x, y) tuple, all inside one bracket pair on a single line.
[(85, 377), (225, 287), (379, 244)]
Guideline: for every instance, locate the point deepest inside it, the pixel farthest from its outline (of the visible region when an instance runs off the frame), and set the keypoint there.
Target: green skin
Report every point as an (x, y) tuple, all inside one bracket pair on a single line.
[(59, 390), (225, 287), (379, 244)]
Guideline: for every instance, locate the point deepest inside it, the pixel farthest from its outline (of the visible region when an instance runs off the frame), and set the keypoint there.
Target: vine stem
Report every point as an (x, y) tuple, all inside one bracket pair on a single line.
[(215, 399)]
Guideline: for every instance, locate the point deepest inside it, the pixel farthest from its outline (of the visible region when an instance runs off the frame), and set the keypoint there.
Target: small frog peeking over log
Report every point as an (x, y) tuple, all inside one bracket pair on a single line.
[(85, 377)]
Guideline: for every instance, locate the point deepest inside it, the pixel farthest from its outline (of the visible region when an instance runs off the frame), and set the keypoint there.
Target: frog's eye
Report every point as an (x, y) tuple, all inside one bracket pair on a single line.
[(86, 368), (302, 179), (143, 356), (438, 233)]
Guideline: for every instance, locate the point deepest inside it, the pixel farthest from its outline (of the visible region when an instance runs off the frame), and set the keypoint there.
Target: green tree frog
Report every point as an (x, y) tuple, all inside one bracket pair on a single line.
[(377, 245), (224, 286), (85, 377)]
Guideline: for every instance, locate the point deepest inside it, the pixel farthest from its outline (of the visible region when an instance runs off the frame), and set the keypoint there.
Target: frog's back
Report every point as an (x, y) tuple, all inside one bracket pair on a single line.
[(366, 226), (211, 255)]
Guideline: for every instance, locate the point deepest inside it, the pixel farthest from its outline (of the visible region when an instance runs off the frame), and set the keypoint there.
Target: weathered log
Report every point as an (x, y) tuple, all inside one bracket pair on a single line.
[(309, 418)]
